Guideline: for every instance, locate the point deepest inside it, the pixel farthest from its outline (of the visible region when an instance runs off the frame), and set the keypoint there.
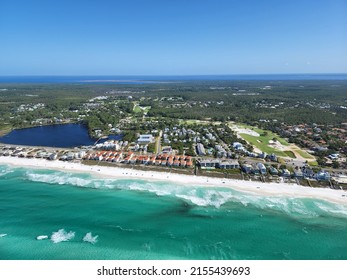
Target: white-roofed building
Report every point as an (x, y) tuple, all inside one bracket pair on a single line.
[(145, 139)]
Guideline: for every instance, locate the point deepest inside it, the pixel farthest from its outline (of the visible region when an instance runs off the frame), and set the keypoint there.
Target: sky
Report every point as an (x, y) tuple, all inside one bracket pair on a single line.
[(172, 37)]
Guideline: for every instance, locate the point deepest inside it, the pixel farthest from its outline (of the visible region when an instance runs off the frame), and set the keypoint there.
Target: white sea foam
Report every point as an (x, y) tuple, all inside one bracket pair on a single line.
[(338, 210), (207, 198), (61, 235), (5, 171), (200, 196), (59, 178), (158, 189), (90, 238), (3, 235), (42, 237)]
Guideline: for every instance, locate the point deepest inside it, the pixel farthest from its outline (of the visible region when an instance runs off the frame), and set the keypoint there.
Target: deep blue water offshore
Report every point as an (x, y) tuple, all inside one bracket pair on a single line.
[(136, 219)]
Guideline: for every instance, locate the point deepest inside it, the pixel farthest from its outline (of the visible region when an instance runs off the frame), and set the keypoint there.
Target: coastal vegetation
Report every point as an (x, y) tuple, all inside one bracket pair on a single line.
[(310, 114)]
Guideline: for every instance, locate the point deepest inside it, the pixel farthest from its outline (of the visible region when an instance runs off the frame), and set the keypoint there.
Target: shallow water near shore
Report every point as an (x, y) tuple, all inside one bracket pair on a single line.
[(86, 217)]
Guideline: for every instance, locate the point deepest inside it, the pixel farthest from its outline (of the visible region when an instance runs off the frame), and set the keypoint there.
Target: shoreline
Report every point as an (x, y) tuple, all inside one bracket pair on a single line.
[(250, 187)]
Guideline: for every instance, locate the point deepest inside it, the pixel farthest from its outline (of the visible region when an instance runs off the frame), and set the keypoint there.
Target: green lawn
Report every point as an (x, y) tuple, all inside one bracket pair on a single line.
[(138, 109), (261, 143), (290, 154), (270, 135), (304, 154), (313, 163), (194, 122)]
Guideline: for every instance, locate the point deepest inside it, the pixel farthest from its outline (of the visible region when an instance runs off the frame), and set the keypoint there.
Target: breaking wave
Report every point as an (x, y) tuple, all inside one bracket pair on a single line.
[(61, 235), (42, 237), (5, 170), (58, 178), (207, 198), (196, 195), (218, 197), (90, 238)]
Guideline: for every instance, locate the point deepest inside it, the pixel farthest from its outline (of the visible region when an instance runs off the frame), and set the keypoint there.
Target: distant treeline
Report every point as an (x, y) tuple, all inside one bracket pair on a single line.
[(292, 102)]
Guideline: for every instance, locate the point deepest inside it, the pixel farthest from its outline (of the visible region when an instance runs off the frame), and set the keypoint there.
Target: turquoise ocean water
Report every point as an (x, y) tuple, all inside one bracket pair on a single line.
[(134, 219)]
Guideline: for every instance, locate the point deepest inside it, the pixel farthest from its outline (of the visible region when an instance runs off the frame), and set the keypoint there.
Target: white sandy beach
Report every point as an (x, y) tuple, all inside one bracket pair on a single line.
[(258, 188)]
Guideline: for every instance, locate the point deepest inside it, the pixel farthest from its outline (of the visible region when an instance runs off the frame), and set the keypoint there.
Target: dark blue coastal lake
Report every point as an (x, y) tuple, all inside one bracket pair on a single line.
[(64, 136)]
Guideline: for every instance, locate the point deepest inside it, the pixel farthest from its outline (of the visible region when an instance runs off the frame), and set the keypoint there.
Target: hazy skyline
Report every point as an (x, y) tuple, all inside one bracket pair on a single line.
[(172, 37)]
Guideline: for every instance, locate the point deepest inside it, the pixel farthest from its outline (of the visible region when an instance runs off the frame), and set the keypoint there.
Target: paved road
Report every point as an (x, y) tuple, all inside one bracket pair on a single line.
[(158, 142)]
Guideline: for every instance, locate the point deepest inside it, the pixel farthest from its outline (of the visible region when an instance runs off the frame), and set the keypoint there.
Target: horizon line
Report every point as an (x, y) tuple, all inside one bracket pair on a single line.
[(167, 75)]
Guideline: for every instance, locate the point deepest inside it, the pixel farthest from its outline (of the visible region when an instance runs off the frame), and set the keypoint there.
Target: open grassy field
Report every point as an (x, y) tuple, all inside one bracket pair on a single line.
[(266, 135), (304, 154), (290, 154), (261, 142), (198, 122), (139, 109), (313, 163)]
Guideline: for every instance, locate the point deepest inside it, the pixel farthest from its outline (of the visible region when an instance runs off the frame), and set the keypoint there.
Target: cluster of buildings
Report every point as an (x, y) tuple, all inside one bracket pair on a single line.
[(259, 168), (218, 150), (201, 141), (23, 152), (111, 145), (299, 173), (48, 121), (176, 134), (313, 136), (132, 158), (239, 148), (30, 107), (172, 160), (262, 169), (217, 163)]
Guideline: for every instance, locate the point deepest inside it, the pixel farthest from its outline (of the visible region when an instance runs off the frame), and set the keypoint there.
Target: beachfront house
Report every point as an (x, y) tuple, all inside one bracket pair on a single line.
[(298, 174), (230, 164), (323, 176), (255, 169), (133, 160), (53, 156), (273, 171), (285, 172), (261, 167), (209, 164), (308, 172), (189, 163), (128, 157), (247, 168)]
